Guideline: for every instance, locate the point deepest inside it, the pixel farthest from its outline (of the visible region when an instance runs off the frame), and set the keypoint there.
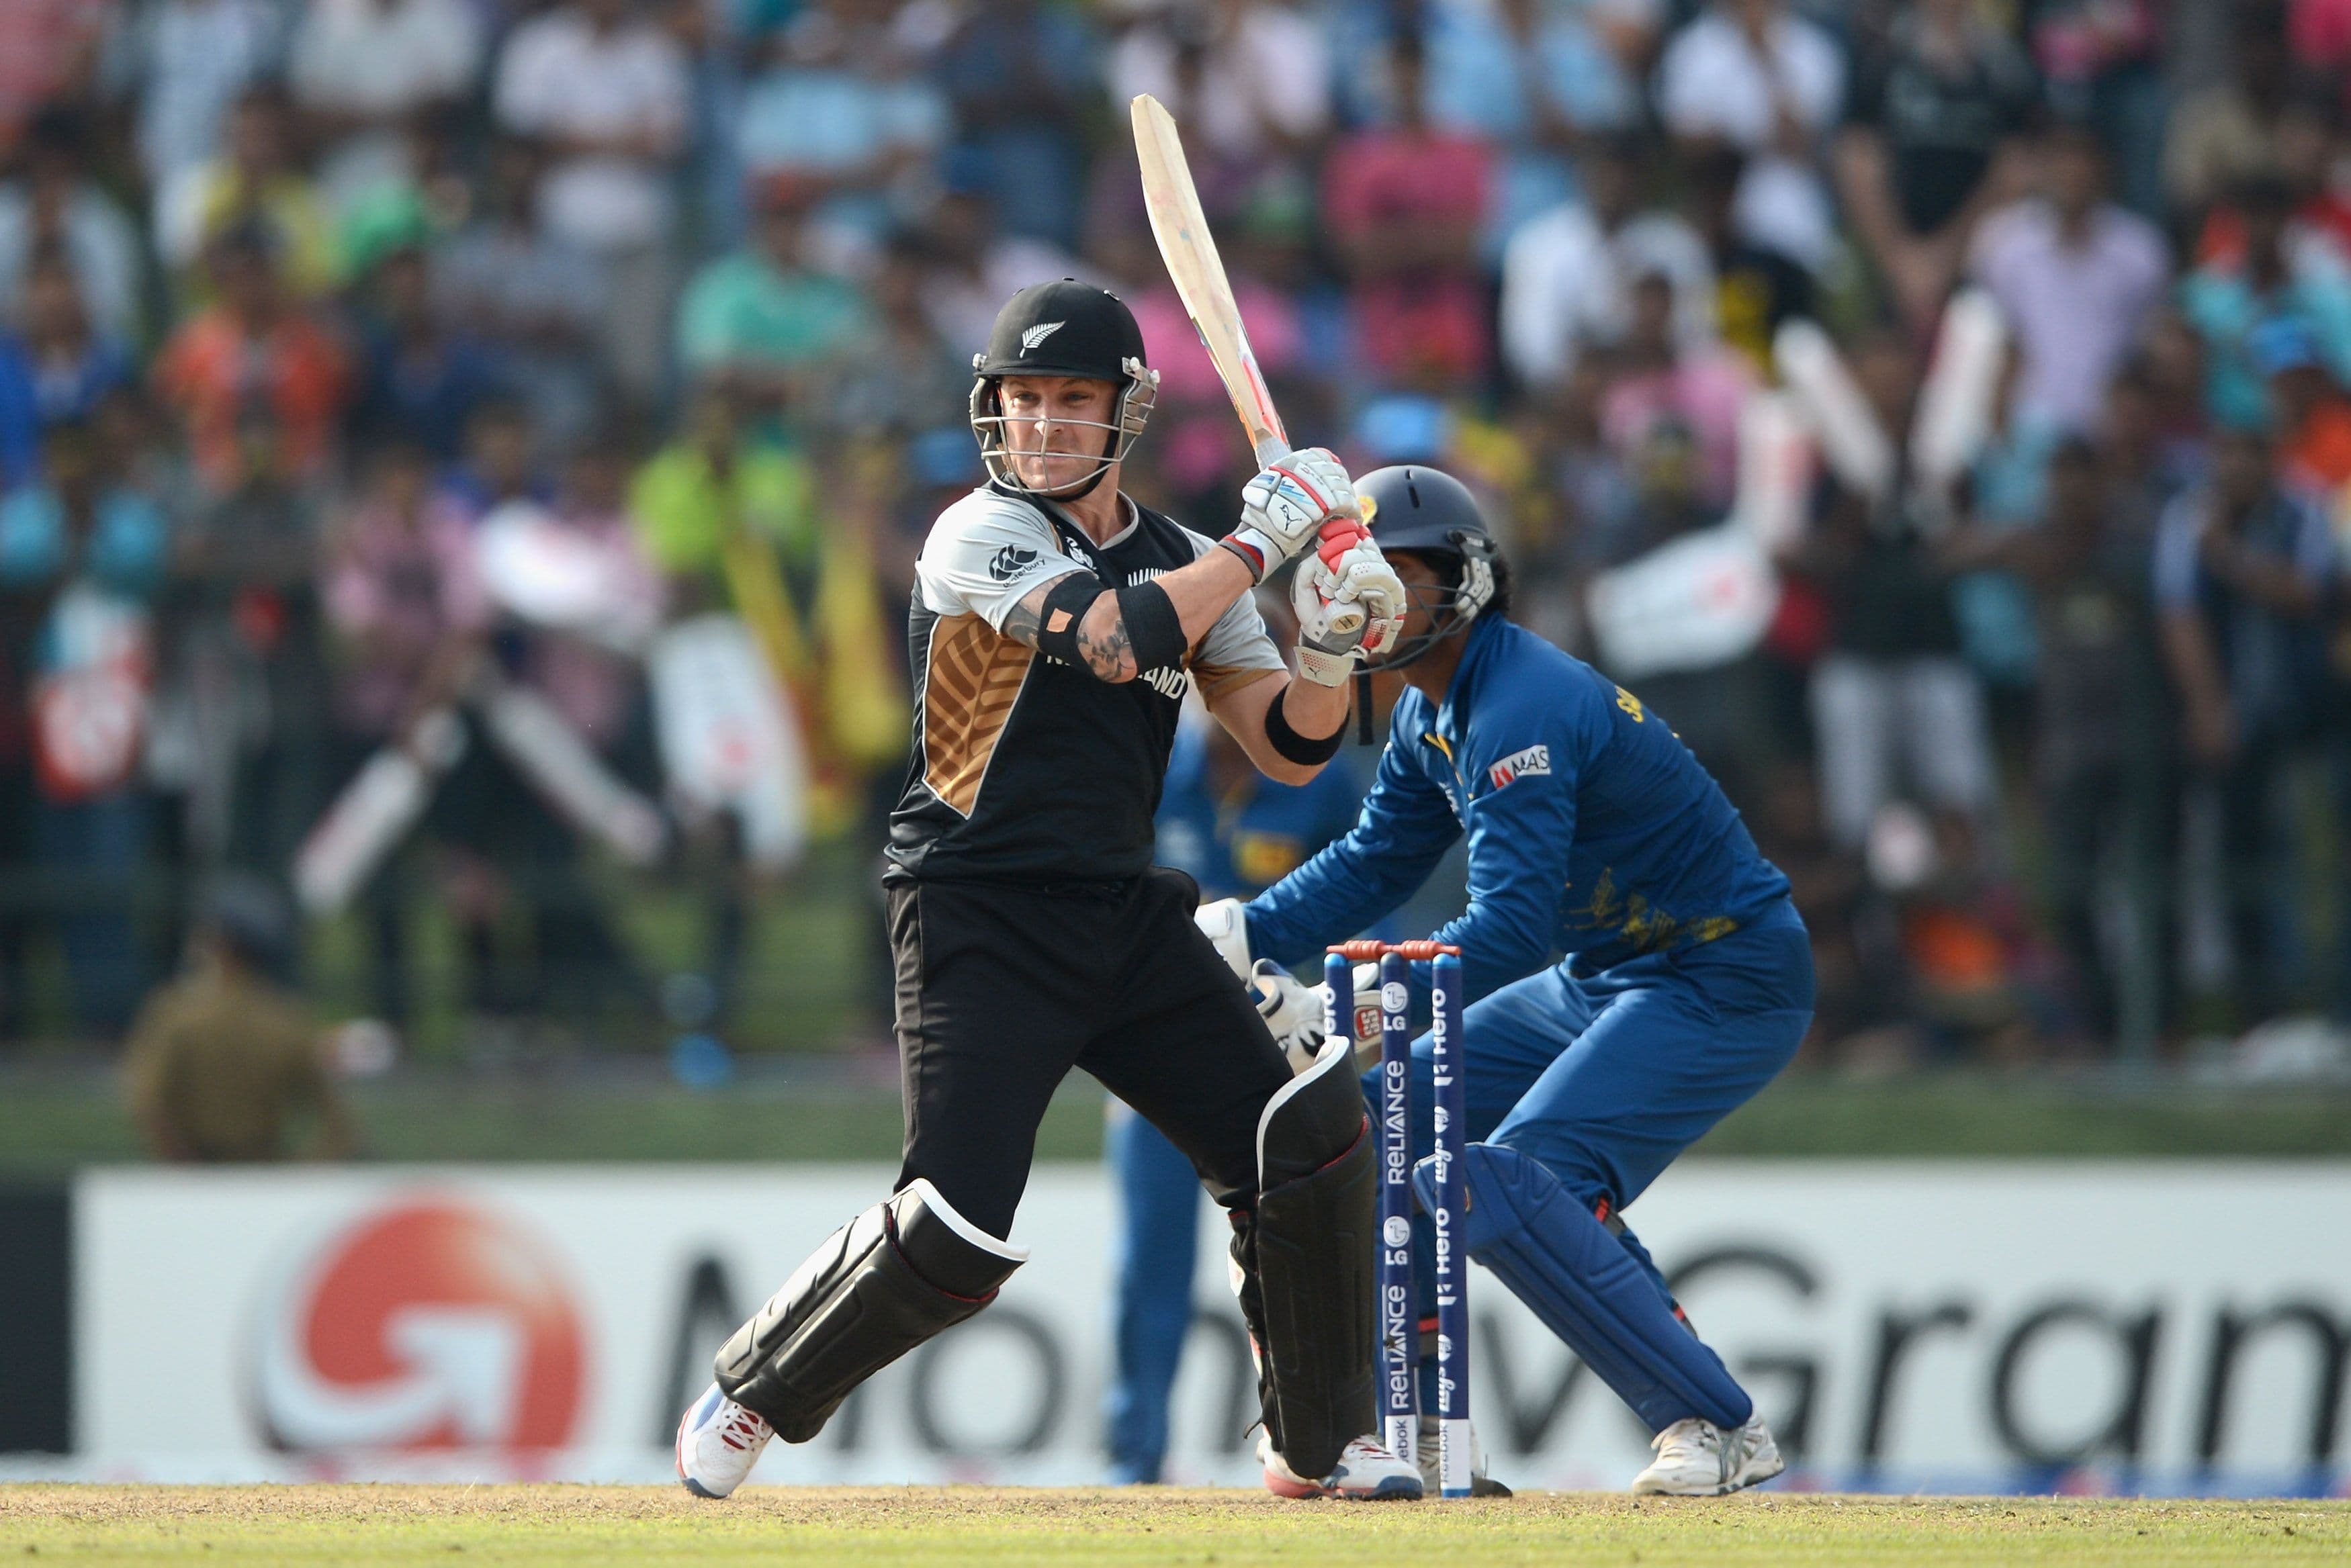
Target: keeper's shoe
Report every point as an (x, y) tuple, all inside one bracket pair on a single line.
[(718, 1441), (1433, 1484), (1698, 1459), (1366, 1473)]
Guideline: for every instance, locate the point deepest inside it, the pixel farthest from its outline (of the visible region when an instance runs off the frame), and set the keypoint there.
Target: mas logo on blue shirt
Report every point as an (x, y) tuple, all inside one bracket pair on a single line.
[(1533, 762)]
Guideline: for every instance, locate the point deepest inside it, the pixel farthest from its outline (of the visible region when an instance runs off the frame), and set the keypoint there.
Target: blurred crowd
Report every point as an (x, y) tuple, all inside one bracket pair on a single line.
[(304, 302)]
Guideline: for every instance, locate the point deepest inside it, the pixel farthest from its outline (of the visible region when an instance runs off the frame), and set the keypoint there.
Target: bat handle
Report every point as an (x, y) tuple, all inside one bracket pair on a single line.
[(1270, 449)]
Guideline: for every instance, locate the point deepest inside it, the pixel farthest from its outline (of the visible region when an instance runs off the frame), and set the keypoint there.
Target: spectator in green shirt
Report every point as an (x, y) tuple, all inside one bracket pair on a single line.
[(734, 520), (763, 318)]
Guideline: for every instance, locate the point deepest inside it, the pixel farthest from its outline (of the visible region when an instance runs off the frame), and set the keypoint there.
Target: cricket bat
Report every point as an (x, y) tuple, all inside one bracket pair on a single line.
[(1199, 275), (374, 813), (1775, 469), (1962, 393), (1851, 441), (569, 776)]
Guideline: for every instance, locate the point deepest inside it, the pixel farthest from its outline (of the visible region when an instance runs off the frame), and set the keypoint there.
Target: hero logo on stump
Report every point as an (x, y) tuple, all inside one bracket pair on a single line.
[(426, 1324)]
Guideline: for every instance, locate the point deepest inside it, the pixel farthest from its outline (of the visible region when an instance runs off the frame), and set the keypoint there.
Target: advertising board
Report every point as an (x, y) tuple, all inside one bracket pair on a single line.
[(2158, 1326)]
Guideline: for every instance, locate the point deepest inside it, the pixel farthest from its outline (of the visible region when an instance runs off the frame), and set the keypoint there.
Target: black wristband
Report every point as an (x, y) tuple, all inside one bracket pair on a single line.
[(1066, 603), (1153, 629), (1294, 746)]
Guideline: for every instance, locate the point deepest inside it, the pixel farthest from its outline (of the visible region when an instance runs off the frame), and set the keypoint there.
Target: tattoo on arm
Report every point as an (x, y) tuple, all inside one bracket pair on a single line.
[(1110, 653), (1022, 622)]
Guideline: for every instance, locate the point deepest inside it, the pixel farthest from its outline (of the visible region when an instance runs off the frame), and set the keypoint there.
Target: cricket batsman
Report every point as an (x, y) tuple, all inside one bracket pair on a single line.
[(1056, 627), (1687, 983)]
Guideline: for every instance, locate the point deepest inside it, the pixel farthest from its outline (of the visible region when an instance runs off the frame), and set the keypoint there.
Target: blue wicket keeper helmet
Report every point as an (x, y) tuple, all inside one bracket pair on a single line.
[(1413, 509)]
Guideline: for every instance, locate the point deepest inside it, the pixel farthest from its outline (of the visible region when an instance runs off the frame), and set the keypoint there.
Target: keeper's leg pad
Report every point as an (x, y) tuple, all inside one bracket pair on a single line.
[(1588, 1290), (1311, 1249), (879, 1286)]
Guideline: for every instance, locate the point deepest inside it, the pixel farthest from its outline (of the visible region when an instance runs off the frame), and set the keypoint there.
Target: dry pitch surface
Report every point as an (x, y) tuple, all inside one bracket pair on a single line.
[(931, 1526)]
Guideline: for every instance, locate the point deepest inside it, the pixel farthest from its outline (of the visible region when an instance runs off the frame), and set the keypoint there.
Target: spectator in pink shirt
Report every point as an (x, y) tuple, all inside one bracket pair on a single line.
[(577, 601), (1196, 452), (1699, 388), (582, 656), (1406, 205), (402, 599), (2320, 32), (48, 54), (406, 614), (2077, 277)]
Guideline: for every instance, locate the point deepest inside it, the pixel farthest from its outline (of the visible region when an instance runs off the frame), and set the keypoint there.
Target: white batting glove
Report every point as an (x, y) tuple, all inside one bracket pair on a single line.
[(1291, 1010), (1226, 925), (1285, 506), (1344, 594), (1382, 594), (1326, 655)]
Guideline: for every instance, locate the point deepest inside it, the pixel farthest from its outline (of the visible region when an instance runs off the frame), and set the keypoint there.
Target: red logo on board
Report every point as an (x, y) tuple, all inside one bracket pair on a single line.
[(428, 1325)]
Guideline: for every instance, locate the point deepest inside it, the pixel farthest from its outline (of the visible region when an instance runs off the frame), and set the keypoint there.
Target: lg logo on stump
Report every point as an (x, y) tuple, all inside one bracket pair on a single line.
[(426, 1324)]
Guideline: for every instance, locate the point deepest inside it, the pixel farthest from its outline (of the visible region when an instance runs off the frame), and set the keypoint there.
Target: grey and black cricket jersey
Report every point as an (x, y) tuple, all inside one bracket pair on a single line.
[(1027, 769)]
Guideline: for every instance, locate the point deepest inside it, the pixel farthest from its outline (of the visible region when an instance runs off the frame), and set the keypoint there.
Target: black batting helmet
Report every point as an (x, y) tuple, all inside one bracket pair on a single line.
[(1064, 328), (1414, 510)]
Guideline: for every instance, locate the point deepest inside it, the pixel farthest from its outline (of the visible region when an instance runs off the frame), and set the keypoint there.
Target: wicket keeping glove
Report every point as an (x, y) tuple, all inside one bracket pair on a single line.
[(1291, 1010), (1226, 925)]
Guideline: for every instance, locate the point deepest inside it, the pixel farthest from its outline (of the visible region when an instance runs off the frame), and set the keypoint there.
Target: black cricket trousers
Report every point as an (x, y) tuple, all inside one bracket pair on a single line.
[(1003, 988)]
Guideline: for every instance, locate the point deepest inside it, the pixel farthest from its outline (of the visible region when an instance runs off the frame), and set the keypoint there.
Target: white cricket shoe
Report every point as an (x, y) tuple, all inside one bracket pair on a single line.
[(1698, 1459), (1366, 1473), (1425, 1452), (718, 1441)]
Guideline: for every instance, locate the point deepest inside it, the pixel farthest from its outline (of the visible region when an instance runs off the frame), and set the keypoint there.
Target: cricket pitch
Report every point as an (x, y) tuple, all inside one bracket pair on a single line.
[(873, 1527)]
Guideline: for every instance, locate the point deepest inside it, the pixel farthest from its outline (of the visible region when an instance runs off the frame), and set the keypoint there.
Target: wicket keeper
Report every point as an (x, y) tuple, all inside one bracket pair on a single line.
[(1687, 983), (1056, 627)]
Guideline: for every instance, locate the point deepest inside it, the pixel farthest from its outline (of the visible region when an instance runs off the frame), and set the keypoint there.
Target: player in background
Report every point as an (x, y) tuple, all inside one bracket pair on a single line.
[(1056, 627), (1235, 833), (1687, 983)]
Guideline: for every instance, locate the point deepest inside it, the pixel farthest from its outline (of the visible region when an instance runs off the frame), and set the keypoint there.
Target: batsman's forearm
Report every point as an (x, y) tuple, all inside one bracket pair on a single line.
[(1206, 590), (1315, 711), (1199, 594)]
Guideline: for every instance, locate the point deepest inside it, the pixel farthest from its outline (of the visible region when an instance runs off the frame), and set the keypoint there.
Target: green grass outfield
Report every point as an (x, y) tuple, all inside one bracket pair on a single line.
[(875, 1527), (54, 1119)]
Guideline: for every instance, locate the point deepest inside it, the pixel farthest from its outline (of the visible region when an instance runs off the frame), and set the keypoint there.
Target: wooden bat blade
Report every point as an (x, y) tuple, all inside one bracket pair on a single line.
[(1962, 390), (373, 813), (1198, 273), (1856, 447)]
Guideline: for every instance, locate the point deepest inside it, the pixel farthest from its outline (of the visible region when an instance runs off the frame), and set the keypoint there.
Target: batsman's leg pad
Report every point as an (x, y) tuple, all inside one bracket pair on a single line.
[(1308, 1253), (881, 1284), (1587, 1289)]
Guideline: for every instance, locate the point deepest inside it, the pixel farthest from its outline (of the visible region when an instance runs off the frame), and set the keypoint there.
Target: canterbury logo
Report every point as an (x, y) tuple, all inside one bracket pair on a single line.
[(1033, 336)]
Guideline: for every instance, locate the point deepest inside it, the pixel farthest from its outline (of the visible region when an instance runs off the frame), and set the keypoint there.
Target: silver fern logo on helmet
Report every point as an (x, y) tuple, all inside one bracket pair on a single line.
[(1038, 334)]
